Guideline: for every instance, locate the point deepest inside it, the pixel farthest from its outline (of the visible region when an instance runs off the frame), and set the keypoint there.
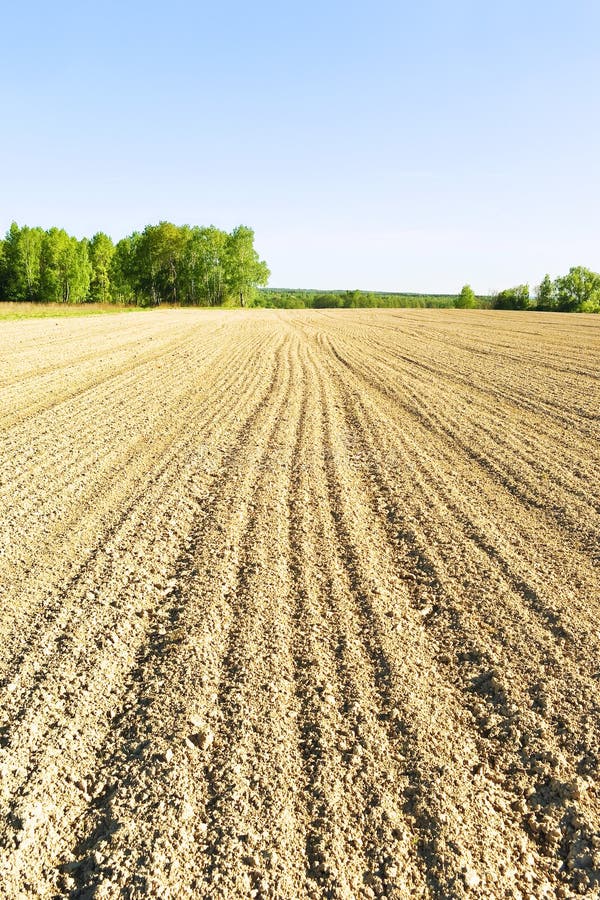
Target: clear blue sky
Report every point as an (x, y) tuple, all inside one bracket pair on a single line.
[(384, 145)]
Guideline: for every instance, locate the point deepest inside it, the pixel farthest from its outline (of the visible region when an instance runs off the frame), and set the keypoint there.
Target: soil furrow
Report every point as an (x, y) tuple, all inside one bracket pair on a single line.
[(300, 605)]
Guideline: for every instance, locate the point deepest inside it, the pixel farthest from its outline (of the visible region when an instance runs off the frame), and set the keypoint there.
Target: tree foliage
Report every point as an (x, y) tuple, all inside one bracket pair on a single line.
[(466, 299), (65, 269), (243, 269), (578, 291), (546, 294), (20, 267), (513, 298), (164, 263), (101, 251), (285, 298)]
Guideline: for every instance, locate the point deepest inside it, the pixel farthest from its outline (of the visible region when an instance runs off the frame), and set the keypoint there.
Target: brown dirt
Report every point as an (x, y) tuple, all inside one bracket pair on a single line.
[(300, 605)]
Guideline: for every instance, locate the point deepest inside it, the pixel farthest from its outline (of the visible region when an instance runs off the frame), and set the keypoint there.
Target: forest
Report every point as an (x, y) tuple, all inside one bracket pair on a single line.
[(577, 291), (164, 263), (289, 298)]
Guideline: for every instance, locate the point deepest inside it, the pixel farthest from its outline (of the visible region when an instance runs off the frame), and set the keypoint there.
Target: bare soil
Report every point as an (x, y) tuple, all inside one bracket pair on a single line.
[(300, 605)]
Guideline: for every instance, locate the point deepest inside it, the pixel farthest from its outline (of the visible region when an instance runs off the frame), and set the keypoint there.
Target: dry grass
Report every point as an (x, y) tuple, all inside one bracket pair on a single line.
[(9, 310)]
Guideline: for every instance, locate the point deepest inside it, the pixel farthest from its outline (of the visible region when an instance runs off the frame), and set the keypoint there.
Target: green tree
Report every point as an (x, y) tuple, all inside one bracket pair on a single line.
[(546, 294), (513, 298), (157, 262), (12, 282), (330, 300), (244, 271), (167, 263), (122, 271), (22, 252), (466, 299), (65, 269), (205, 264), (101, 252), (30, 246), (169, 247), (579, 291)]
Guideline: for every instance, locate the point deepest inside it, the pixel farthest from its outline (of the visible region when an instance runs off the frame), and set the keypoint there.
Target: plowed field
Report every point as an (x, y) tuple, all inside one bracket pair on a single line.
[(300, 605)]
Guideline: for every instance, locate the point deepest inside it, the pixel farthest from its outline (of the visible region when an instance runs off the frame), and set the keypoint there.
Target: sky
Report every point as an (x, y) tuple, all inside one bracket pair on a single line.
[(394, 146)]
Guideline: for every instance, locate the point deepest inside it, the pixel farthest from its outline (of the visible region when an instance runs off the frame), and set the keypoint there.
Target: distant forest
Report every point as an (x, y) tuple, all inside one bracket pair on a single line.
[(285, 298), (578, 291), (204, 266)]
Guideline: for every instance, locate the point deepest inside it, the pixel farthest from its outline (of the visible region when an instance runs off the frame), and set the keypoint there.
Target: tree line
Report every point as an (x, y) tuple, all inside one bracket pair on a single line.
[(289, 298), (164, 263), (577, 291), (205, 266)]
